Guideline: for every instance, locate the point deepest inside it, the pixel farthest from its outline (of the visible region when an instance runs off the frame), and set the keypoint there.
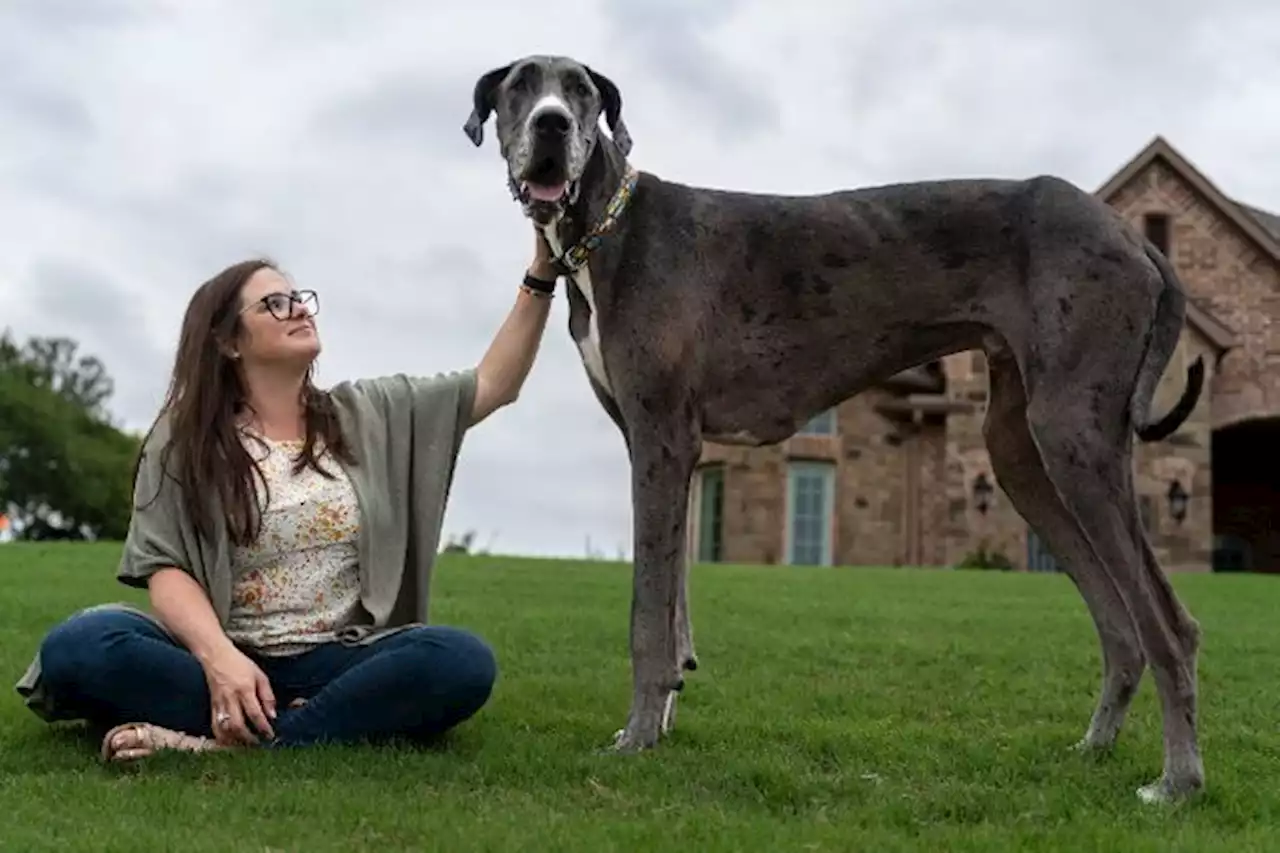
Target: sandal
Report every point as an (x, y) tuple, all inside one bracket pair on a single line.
[(132, 741)]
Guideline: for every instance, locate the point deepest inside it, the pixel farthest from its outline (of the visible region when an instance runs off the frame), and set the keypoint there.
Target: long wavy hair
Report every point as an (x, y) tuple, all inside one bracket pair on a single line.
[(205, 396)]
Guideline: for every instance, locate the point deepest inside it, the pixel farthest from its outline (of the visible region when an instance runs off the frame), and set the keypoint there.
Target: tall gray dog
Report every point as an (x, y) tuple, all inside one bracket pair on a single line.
[(736, 317)]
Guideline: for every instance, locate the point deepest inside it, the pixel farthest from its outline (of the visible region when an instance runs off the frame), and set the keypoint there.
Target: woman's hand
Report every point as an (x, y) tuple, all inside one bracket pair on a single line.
[(237, 688), (541, 265), (241, 698)]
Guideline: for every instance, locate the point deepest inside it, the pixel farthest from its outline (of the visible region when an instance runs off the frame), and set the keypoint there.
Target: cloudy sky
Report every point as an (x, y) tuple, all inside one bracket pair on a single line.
[(145, 144)]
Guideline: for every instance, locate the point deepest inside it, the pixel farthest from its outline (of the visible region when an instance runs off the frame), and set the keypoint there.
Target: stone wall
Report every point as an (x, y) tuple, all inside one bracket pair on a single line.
[(755, 499), (888, 506), (871, 485), (1185, 456), (1001, 529)]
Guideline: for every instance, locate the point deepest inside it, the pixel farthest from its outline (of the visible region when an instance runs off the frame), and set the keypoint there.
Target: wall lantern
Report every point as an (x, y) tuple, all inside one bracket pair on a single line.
[(982, 493), (1177, 497)]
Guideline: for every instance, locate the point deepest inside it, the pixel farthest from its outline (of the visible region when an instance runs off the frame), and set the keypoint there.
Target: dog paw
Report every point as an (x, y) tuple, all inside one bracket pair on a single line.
[(627, 742), (1091, 748), (624, 741), (1154, 794), (1166, 791), (642, 732)]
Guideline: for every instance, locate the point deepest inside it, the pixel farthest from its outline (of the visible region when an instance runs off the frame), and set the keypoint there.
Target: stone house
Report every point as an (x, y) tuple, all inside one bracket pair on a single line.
[(899, 475)]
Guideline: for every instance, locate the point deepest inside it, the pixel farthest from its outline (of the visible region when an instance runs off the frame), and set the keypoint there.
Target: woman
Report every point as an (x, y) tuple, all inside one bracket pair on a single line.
[(302, 622)]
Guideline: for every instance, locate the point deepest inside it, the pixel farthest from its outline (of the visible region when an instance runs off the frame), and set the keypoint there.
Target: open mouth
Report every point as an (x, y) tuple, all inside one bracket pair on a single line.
[(547, 185), (546, 193)]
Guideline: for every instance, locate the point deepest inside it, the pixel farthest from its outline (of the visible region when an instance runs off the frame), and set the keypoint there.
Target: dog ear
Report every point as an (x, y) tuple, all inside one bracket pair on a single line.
[(612, 110), (482, 103)]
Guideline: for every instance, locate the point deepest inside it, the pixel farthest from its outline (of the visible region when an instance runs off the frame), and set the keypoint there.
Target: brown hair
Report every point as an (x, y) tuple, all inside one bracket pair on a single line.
[(206, 393)]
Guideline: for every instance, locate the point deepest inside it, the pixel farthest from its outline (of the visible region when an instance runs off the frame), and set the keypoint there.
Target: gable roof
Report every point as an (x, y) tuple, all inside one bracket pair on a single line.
[(1213, 330), (1269, 221), (1261, 227)]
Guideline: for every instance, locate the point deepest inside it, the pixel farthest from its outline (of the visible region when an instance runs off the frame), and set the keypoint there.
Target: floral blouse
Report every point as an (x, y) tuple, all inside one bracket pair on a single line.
[(299, 583)]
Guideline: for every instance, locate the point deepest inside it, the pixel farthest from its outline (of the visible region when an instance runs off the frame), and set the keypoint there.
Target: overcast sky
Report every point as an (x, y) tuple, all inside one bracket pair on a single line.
[(146, 144)]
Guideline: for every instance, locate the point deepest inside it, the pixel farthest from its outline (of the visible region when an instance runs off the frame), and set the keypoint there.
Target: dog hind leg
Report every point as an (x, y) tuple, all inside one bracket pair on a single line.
[(1087, 455), (1016, 462)]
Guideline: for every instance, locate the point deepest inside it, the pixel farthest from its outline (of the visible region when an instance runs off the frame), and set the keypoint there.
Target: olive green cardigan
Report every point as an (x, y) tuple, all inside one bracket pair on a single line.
[(405, 434)]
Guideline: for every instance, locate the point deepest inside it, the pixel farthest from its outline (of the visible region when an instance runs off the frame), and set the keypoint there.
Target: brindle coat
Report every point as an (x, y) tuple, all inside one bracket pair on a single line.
[(736, 316)]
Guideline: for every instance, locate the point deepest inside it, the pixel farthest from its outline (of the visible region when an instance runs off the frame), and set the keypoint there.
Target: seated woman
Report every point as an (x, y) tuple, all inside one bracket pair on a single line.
[(286, 537)]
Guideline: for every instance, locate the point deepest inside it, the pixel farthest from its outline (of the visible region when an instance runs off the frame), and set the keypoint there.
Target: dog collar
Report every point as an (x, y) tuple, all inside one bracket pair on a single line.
[(576, 255)]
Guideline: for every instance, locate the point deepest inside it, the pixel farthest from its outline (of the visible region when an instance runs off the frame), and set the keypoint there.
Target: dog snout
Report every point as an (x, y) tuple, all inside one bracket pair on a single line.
[(551, 122)]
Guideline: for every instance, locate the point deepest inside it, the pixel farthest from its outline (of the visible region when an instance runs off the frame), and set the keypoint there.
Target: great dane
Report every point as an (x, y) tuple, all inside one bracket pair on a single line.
[(735, 317)]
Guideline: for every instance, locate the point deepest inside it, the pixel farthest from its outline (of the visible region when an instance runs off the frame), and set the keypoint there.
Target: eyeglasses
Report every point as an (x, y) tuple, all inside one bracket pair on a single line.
[(281, 304)]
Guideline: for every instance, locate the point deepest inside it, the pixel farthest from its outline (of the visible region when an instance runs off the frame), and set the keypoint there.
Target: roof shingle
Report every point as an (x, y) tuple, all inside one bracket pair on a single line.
[(1268, 220)]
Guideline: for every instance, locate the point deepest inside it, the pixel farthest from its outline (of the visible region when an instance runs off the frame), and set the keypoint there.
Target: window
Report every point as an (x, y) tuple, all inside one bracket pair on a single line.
[(1231, 554), (711, 515), (1039, 557), (810, 505), (821, 424), (1156, 227)]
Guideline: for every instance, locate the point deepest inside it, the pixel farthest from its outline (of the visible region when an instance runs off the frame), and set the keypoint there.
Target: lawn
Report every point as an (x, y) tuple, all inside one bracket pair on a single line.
[(834, 710)]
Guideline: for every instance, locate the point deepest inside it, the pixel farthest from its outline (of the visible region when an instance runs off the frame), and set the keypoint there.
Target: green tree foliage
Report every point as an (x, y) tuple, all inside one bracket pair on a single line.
[(63, 465)]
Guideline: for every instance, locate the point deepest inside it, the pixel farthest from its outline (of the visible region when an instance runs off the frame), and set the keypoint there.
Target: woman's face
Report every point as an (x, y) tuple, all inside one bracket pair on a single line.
[(277, 323)]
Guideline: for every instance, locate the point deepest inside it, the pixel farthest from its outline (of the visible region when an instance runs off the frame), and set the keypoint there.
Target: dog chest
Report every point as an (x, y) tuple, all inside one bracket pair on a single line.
[(589, 346)]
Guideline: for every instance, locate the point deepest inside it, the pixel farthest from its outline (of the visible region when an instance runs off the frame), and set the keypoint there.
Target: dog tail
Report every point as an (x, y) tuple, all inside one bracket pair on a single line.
[(1170, 310)]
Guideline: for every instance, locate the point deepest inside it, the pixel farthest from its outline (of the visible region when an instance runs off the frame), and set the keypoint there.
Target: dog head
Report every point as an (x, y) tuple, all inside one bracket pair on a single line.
[(546, 113)]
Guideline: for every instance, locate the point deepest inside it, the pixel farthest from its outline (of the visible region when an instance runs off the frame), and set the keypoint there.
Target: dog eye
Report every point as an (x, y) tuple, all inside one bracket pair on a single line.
[(524, 79)]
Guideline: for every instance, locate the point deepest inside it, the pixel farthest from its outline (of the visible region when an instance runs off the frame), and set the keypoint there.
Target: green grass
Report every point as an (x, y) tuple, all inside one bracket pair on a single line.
[(835, 710)]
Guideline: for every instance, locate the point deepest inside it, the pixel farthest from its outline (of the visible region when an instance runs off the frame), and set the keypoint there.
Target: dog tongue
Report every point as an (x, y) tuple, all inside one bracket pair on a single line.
[(547, 192)]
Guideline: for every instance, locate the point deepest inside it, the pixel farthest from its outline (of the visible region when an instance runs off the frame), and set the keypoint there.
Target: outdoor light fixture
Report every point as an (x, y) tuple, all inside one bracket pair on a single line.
[(1177, 500), (982, 493)]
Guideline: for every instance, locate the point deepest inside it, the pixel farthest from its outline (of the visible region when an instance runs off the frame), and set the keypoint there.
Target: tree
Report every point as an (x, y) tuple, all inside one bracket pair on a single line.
[(51, 364), (63, 465)]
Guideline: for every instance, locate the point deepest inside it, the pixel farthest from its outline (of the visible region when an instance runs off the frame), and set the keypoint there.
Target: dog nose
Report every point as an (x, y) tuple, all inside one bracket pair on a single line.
[(551, 123)]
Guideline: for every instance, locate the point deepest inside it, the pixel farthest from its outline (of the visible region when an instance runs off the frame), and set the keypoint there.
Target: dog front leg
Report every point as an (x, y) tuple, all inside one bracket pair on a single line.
[(661, 464)]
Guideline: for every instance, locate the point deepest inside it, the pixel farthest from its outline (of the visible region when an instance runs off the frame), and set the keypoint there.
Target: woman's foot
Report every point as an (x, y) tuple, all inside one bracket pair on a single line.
[(132, 741)]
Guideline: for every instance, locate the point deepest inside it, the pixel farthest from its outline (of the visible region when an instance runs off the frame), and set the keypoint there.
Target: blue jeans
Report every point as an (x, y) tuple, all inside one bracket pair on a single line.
[(115, 667)]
